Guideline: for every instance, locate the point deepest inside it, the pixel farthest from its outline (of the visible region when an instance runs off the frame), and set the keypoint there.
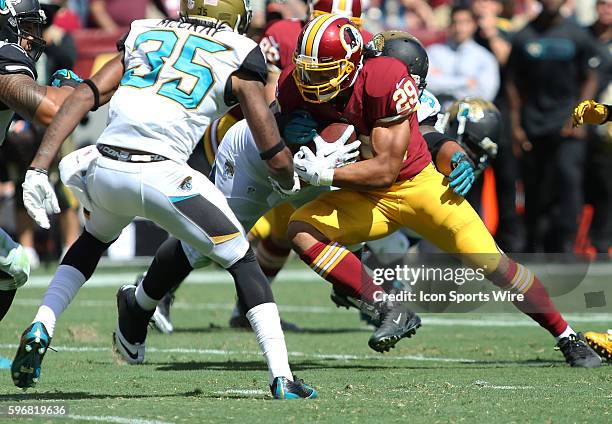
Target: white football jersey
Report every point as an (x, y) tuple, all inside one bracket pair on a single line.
[(428, 106), (176, 82), (242, 177)]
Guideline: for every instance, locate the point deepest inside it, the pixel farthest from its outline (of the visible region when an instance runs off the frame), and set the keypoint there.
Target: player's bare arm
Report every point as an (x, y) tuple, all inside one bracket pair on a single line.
[(34, 102), (389, 145), (76, 106), (250, 94)]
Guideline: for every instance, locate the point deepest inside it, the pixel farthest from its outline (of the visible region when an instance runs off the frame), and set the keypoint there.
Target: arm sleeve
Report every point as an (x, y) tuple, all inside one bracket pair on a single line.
[(15, 60), (434, 141), (254, 65)]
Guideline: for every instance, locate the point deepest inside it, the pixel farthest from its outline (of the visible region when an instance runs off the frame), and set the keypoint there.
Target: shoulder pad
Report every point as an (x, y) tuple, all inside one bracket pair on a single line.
[(15, 60)]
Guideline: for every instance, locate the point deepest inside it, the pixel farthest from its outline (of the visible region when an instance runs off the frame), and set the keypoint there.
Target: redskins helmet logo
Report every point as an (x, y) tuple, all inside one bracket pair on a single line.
[(351, 40)]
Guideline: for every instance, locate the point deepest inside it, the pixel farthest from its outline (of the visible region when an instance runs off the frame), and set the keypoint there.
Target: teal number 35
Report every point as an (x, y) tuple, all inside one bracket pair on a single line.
[(184, 63)]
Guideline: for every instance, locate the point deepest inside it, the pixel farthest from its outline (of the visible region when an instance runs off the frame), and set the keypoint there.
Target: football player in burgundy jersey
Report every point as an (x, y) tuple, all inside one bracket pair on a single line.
[(394, 186)]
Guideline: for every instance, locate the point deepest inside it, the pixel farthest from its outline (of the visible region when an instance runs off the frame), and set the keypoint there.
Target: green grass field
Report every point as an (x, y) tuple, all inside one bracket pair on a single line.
[(460, 368)]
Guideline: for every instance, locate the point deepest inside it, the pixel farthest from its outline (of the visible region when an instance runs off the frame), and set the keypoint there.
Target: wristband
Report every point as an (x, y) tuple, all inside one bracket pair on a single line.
[(96, 94), (326, 178), (39, 170), (273, 151)]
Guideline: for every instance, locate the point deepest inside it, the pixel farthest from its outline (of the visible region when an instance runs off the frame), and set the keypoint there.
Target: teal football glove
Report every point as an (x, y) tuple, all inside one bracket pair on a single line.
[(301, 128), (462, 178), (65, 78)]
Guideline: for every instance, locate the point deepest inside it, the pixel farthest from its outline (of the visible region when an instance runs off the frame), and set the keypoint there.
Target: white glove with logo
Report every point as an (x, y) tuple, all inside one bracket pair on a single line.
[(338, 153), (311, 169), (318, 170), (39, 197), (285, 193)]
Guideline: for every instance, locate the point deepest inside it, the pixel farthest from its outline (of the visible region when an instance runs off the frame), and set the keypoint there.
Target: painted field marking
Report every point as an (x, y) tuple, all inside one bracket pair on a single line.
[(243, 392), (112, 419), (222, 352), (495, 320), (486, 385), (208, 276)]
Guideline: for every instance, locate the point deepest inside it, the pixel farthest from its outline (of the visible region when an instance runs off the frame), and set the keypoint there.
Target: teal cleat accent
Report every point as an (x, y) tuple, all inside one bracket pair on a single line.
[(285, 389), (26, 367), (5, 363)]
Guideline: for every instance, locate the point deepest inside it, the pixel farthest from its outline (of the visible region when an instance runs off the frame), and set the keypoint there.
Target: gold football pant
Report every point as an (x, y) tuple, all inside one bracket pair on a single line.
[(423, 204)]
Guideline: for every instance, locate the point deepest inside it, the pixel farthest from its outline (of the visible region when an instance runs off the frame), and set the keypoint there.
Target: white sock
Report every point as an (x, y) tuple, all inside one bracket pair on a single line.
[(265, 321), (145, 301), (62, 289), (568, 332)]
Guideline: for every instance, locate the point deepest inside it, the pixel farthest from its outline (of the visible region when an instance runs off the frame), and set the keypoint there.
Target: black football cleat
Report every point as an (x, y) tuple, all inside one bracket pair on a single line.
[(577, 352), (285, 389), (398, 322), (131, 332)]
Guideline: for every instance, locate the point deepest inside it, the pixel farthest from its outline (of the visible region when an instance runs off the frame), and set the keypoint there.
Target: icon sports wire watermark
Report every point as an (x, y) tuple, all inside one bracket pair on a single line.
[(441, 283)]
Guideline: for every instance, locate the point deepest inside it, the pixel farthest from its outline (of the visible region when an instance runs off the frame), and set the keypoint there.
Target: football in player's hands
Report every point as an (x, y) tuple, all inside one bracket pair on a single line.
[(332, 133)]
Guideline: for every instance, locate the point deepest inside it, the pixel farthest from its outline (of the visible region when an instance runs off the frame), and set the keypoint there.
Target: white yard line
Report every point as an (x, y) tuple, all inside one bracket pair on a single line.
[(222, 352), (244, 392), (112, 419), (481, 384), (304, 275), (494, 320)]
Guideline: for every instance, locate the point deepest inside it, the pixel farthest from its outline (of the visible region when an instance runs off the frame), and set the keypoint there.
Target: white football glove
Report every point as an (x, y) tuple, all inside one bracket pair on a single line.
[(17, 265), (285, 193), (311, 169), (338, 153), (39, 197)]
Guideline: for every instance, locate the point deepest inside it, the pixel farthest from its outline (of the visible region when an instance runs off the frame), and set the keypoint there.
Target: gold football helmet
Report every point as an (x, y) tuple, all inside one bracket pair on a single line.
[(235, 13)]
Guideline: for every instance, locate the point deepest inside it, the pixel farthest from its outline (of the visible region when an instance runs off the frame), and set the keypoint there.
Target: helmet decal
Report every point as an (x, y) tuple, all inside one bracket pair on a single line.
[(190, 4), (351, 39), (7, 5), (314, 33)]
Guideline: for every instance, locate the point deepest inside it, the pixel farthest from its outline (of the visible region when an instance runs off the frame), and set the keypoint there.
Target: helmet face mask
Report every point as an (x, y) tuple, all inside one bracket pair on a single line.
[(22, 23), (235, 13), (328, 58)]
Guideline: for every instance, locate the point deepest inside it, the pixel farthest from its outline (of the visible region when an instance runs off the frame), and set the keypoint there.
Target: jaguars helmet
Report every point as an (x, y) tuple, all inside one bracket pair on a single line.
[(235, 13), (21, 22), (405, 47), (328, 57), (476, 124), (348, 8)]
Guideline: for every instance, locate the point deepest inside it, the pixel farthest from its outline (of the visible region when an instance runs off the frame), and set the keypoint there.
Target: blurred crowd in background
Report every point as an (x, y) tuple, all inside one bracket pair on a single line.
[(552, 183)]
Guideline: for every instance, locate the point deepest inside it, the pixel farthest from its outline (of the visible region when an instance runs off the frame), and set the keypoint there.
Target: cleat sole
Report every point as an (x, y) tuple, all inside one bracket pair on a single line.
[(385, 344)]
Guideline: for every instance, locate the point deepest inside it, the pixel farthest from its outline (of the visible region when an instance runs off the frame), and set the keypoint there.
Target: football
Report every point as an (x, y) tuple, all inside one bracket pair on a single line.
[(331, 133)]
